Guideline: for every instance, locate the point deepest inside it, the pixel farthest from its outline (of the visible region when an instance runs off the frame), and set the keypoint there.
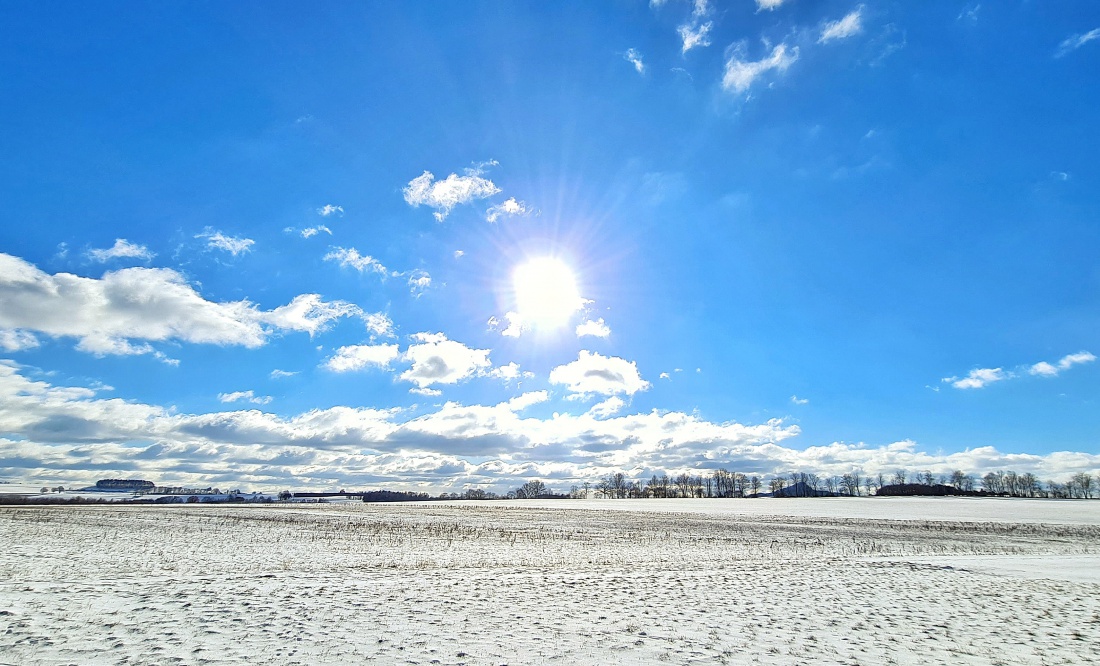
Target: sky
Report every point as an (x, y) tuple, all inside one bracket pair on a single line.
[(471, 244)]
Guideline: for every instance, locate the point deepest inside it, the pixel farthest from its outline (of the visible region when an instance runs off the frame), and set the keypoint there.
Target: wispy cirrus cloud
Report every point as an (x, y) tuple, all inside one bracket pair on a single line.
[(444, 195), (329, 210), (1074, 42), (768, 5), (634, 57), (122, 249), (234, 245), (849, 26), (695, 32), (740, 74), (310, 232), (351, 258)]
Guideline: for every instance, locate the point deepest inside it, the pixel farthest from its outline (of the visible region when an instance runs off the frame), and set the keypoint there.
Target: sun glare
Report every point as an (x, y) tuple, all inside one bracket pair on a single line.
[(545, 292)]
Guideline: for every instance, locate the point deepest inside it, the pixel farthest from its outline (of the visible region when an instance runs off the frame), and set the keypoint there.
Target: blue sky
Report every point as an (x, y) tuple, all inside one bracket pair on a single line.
[(470, 244)]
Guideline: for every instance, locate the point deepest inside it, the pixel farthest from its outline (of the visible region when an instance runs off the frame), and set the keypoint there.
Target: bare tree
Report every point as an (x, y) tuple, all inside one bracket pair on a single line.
[(754, 483), (533, 489), (899, 477)]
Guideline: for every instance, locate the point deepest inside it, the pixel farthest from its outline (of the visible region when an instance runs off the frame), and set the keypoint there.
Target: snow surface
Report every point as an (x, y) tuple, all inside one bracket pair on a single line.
[(547, 582)]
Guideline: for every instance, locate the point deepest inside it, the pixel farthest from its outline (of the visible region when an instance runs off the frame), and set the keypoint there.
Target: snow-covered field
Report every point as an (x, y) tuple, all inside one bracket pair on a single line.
[(906, 581)]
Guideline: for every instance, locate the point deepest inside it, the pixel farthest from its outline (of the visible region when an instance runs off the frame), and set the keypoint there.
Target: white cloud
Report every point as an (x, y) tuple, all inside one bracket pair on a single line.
[(597, 329), (281, 374), (846, 27), (1046, 369), (979, 378), (350, 257), (13, 340), (444, 195), (427, 392), (511, 326), (740, 74), (309, 232), (232, 244), (521, 402), (768, 4), (634, 57), (509, 207), (379, 324), (122, 249), (357, 357), (609, 407), (664, 375), (459, 254), (247, 396), (328, 210), (982, 377), (437, 360), (593, 373), (510, 372), (69, 432), (693, 35), (125, 310), (1074, 42), (419, 282), (309, 314), (799, 401)]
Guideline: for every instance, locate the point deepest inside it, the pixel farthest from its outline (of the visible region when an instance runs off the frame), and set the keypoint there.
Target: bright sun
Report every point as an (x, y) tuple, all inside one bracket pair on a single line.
[(546, 292)]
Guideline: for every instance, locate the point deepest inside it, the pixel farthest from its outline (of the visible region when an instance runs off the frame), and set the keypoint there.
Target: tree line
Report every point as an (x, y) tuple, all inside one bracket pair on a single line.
[(724, 483)]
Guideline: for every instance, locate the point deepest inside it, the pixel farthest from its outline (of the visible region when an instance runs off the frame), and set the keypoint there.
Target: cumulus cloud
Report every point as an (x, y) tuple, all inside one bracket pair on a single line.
[(426, 392), (310, 232), (596, 329), (510, 372), (982, 377), (509, 207), (308, 313), (1074, 42), (978, 378), (768, 4), (634, 57), (125, 310), (13, 340), (349, 257), (593, 373), (438, 360), (444, 195), (740, 74), (357, 357), (122, 249), (246, 396), (234, 245), (521, 402), (1046, 369), (799, 401), (71, 434), (846, 27), (329, 210), (609, 407)]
